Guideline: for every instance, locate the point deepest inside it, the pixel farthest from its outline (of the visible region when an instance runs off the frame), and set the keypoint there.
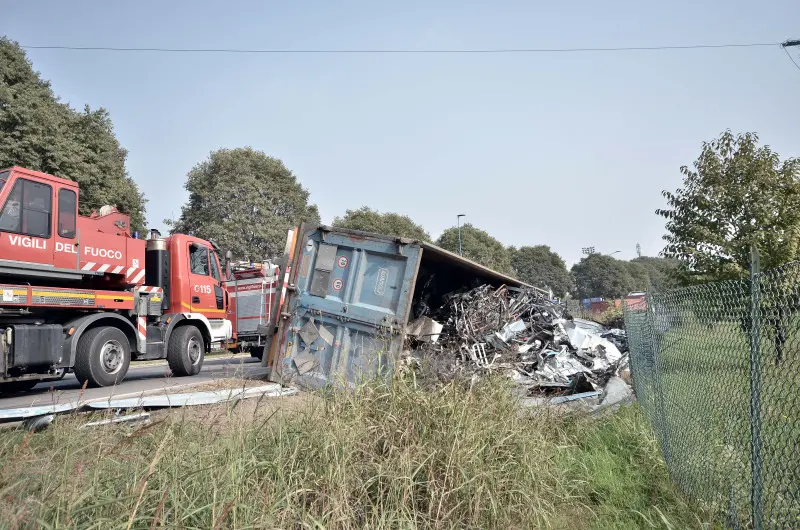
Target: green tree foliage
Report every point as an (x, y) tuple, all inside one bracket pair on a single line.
[(601, 275), (639, 274), (245, 201), (478, 246), (389, 223), (660, 272), (39, 132), (737, 194), (540, 266)]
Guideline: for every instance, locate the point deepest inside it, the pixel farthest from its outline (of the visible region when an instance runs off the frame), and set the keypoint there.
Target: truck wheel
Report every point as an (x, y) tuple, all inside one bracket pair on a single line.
[(186, 351), (16, 386), (103, 356), (257, 352)]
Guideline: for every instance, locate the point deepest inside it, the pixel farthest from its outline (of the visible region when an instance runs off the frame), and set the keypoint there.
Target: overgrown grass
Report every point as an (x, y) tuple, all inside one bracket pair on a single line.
[(386, 456)]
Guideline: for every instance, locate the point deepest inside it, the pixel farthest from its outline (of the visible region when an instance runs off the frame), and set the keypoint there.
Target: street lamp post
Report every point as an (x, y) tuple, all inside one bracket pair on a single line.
[(458, 221)]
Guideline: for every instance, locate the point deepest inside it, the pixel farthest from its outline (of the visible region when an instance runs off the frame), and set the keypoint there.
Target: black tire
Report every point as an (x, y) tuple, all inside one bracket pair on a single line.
[(103, 356), (257, 352), (16, 386), (186, 351)]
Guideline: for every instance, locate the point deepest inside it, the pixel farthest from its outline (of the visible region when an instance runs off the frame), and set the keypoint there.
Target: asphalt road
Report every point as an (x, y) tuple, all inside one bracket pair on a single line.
[(139, 379)]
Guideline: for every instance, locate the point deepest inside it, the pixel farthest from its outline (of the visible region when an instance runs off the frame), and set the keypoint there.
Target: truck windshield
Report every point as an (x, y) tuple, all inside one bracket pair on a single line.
[(215, 265)]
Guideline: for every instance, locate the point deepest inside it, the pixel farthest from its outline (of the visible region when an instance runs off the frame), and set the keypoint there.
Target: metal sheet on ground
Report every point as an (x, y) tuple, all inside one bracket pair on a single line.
[(32, 412), (193, 398)]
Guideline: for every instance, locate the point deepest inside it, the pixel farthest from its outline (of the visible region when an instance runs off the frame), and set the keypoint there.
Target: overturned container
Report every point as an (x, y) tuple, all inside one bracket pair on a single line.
[(347, 297)]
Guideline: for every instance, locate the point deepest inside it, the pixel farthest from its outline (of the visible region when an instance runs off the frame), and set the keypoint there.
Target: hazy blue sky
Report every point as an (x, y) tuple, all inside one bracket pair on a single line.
[(568, 150)]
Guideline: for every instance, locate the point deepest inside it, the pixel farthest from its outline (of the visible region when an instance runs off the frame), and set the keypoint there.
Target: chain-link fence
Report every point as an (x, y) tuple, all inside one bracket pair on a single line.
[(717, 368)]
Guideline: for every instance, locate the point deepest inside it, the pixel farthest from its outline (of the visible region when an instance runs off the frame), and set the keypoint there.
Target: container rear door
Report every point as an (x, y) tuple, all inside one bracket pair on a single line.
[(344, 321)]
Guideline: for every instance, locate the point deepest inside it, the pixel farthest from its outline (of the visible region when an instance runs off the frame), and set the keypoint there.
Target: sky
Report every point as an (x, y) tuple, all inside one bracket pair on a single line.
[(564, 149)]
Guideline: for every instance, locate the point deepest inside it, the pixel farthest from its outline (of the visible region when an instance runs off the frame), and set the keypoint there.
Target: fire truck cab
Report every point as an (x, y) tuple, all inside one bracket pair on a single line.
[(82, 294)]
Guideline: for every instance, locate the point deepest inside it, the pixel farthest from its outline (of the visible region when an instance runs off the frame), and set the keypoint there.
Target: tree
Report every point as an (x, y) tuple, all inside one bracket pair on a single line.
[(478, 246), (540, 266), (40, 133), (601, 275), (660, 272), (737, 195), (245, 201), (388, 223), (640, 275)]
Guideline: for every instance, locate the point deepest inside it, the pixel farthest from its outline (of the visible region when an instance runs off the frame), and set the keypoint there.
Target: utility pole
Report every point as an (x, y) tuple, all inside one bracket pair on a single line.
[(789, 44)]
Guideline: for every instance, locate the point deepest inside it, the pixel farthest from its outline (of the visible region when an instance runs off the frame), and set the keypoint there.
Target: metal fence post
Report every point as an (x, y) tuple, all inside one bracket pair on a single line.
[(756, 492)]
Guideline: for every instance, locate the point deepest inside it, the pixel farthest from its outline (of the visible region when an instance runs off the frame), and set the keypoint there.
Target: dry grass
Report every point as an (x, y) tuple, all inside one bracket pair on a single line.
[(386, 456)]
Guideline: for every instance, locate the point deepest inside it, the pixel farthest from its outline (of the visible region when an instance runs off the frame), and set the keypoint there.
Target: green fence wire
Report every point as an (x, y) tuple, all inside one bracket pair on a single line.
[(717, 369)]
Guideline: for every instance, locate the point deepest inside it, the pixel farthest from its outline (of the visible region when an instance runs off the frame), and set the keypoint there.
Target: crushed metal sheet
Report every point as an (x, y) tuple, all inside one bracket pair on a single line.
[(309, 332), (511, 330), (425, 329), (305, 362), (325, 335), (140, 417), (193, 398), (561, 365), (574, 397)]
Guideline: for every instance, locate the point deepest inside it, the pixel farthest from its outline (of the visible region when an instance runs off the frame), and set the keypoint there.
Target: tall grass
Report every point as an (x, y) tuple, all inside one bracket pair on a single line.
[(385, 456)]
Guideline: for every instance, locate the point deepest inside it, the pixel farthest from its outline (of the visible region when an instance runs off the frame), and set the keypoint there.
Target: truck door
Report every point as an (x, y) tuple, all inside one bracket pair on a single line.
[(207, 297), (344, 318), (26, 222), (66, 233)]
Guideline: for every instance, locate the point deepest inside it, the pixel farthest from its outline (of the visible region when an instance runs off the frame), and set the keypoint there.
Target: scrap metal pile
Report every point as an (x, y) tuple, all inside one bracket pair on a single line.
[(522, 334)]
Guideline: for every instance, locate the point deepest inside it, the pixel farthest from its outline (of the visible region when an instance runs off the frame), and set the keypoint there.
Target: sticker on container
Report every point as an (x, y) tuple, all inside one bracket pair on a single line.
[(338, 283), (135, 263), (342, 261), (380, 282), (8, 295)]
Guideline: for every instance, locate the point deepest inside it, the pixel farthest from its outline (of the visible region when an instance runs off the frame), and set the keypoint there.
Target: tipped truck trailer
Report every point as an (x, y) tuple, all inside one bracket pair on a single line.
[(81, 294), (347, 298)]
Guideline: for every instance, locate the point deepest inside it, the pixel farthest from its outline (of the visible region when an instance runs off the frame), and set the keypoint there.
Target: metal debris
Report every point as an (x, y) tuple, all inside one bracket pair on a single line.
[(39, 417), (8, 415), (193, 398), (140, 417), (425, 329), (520, 333)]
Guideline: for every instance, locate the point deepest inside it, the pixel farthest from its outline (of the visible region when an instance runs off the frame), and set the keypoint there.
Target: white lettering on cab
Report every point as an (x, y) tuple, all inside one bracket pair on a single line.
[(27, 242), (102, 252), (65, 247), (41, 244)]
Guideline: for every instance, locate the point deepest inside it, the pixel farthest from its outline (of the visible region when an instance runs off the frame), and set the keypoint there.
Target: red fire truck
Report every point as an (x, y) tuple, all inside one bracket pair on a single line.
[(82, 294)]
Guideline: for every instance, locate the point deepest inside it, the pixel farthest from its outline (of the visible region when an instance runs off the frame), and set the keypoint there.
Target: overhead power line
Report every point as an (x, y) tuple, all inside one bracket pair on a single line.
[(789, 44), (791, 58), (402, 51)]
